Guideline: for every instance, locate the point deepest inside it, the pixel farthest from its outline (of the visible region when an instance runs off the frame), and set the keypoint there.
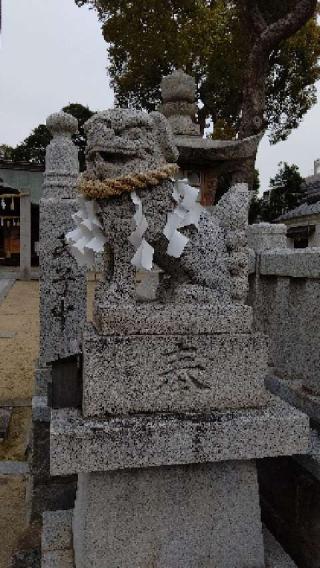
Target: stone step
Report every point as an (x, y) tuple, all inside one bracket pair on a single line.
[(14, 468), (57, 540)]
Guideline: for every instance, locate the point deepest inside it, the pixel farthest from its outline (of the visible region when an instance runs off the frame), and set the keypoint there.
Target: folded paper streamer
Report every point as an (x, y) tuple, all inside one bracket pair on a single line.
[(87, 239), (143, 258), (187, 212)]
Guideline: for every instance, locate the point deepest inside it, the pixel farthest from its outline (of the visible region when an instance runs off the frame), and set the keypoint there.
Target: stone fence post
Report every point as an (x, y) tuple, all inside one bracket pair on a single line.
[(62, 282), (264, 236), (62, 305)]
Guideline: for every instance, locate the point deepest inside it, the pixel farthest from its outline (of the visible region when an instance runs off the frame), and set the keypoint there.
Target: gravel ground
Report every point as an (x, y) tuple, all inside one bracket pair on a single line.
[(15, 446), (12, 515), (19, 316), (19, 313)]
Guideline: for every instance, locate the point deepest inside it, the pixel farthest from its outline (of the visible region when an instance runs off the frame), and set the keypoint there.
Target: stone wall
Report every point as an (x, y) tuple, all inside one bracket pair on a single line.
[(285, 294)]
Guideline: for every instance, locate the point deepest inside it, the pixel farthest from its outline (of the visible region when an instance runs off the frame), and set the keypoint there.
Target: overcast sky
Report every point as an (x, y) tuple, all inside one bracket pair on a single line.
[(53, 53)]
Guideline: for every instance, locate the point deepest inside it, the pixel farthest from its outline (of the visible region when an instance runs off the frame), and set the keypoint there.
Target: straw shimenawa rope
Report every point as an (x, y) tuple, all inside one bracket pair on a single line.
[(94, 189)]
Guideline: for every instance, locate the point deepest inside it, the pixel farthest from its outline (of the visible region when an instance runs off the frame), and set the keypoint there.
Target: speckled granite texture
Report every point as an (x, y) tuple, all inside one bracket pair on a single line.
[(168, 372), (286, 302), (62, 282), (297, 263), (191, 503), (79, 445)]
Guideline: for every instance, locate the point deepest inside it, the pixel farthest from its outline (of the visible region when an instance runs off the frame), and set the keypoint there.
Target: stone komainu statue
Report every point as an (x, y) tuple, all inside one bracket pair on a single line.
[(131, 150)]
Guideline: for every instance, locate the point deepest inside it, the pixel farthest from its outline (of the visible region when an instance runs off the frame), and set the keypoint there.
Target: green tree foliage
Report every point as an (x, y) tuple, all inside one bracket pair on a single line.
[(33, 148), (285, 190), (286, 193), (6, 151), (212, 41)]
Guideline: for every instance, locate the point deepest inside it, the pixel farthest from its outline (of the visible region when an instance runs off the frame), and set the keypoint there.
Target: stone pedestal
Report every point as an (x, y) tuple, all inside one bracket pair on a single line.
[(178, 358), (170, 517), (165, 446), (57, 548)]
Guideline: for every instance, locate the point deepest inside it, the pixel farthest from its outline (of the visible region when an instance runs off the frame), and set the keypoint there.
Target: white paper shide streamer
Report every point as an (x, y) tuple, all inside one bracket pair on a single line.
[(187, 212), (143, 258), (87, 239)]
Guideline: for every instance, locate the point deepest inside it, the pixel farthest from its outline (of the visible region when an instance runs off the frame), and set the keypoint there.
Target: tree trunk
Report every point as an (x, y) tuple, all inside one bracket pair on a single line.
[(265, 38), (254, 94)]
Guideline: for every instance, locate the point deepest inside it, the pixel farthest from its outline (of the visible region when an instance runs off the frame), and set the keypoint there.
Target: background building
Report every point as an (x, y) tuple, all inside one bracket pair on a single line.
[(304, 221), (18, 179)]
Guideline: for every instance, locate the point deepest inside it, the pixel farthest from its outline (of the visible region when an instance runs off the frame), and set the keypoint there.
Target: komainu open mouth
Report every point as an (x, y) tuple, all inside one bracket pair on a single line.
[(117, 156)]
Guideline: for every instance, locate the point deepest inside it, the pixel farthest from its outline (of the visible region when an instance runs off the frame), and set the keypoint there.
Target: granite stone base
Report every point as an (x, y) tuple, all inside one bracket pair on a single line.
[(57, 539), (163, 362), (177, 319), (170, 517), (81, 446)]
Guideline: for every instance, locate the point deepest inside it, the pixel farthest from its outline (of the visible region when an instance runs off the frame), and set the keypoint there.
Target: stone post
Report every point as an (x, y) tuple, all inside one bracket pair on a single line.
[(25, 237), (62, 282), (62, 302), (264, 236)]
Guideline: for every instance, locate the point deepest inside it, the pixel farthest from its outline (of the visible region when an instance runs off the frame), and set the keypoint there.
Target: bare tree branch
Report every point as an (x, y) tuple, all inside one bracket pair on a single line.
[(266, 38), (289, 25)]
